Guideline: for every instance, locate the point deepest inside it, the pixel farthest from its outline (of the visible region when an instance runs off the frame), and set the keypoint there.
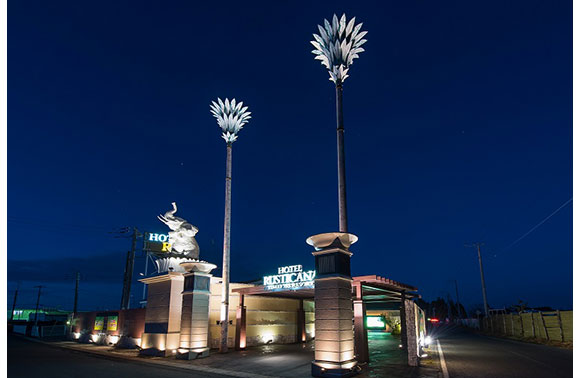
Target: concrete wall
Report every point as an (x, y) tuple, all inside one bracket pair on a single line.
[(130, 322), (268, 319)]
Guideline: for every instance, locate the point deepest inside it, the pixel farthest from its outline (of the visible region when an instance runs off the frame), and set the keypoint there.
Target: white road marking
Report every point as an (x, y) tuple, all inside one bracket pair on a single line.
[(442, 359)]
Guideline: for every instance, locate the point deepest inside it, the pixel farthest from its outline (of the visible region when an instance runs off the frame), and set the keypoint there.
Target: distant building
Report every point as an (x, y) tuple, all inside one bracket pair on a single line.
[(28, 315)]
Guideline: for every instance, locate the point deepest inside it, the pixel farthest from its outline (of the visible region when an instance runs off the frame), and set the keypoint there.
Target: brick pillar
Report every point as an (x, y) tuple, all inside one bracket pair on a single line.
[(334, 342), (240, 340), (361, 342)]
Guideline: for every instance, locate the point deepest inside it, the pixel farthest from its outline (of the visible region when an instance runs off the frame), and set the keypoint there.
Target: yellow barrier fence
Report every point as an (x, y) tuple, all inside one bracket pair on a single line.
[(546, 325)]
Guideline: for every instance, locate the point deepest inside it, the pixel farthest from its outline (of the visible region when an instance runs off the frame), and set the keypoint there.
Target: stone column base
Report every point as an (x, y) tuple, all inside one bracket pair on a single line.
[(333, 369), (334, 343), (195, 310)]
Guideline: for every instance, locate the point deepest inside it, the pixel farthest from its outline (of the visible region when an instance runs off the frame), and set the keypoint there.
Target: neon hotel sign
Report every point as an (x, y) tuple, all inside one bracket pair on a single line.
[(290, 277), (162, 238)]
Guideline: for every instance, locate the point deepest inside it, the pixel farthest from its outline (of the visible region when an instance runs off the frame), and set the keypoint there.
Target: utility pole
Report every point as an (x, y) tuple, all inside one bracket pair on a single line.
[(78, 278), (128, 276), (146, 266), (457, 296), (14, 302), (37, 304), (124, 292), (448, 306), (484, 291)]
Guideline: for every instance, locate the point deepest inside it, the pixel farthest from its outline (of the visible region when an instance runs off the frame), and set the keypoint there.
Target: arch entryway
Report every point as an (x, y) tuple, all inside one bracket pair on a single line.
[(370, 289)]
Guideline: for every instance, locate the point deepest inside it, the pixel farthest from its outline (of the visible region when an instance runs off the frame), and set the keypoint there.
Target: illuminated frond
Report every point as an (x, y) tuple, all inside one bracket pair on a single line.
[(337, 45), (231, 117)]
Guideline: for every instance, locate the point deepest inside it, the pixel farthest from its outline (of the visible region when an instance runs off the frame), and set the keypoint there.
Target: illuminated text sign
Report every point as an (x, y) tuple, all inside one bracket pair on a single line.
[(157, 242), (290, 277), (158, 237), (376, 322)]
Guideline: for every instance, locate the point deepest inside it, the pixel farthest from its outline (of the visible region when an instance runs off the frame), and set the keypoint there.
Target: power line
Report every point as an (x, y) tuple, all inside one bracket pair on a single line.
[(539, 224), (50, 226), (40, 222)]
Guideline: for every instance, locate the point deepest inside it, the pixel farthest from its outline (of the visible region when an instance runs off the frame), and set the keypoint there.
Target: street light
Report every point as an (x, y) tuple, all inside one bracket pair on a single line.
[(337, 46), (231, 117)]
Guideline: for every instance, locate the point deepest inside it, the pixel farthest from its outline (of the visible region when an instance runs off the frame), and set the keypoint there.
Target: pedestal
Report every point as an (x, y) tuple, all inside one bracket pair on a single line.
[(163, 314), (195, 310), (334, 344)]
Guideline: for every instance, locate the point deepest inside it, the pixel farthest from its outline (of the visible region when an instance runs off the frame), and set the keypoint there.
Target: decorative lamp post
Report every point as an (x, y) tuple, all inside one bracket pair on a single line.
[(231, 117), (337, 46)]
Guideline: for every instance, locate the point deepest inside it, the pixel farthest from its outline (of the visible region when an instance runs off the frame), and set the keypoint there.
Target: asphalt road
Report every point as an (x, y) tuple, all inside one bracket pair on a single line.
[(28, 359), (471, 355)]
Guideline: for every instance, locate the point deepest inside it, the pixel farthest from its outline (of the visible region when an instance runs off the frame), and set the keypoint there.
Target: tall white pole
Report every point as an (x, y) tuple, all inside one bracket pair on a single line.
[(337, 45), (224, 318), (342, 213), (231, 117)]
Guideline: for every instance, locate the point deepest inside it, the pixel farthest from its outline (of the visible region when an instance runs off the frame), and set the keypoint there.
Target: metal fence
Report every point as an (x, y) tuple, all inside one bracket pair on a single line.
[(41, 331), (548, 325)]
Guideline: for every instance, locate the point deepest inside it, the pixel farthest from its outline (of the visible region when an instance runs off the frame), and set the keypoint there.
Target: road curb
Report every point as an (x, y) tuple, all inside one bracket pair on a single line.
[(146, 361), (442, 364)]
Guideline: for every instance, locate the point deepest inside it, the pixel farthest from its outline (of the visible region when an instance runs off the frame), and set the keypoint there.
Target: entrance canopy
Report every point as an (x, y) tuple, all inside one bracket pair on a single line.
[(374, 289), (379, 289)]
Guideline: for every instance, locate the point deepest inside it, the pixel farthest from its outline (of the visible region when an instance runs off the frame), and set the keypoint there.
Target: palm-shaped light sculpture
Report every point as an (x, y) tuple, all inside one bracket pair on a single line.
[(231, 117), (337, 46)]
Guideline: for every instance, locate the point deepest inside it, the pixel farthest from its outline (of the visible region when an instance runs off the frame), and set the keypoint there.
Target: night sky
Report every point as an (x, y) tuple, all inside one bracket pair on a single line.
[(458, 122)]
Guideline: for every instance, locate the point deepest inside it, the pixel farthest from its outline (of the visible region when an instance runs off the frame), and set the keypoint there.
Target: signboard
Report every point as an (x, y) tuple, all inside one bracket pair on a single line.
[(155, 242), (157, 237), (99, 323), (291, 277), (376, 322), (112, 323)]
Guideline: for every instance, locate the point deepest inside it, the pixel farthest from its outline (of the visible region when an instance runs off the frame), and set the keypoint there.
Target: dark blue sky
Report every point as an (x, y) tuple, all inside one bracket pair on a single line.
[(458, 129)]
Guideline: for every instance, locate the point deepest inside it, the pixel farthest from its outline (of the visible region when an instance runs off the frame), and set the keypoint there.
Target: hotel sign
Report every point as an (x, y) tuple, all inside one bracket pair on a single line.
[(155, 242), (157, 237), (291, 277)]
